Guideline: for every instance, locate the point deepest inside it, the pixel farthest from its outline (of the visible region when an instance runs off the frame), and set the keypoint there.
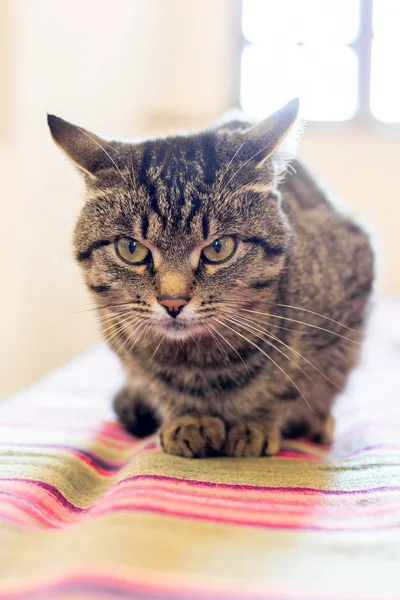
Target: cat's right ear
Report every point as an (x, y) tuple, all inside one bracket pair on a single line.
[(83, 148)]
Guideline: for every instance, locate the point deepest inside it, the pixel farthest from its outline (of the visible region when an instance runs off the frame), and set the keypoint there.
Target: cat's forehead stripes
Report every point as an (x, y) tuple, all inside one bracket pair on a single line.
[(176, 175)]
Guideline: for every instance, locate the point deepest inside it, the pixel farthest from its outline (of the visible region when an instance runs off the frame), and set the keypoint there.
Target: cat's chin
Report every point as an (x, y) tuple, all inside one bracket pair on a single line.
[(179, 330)]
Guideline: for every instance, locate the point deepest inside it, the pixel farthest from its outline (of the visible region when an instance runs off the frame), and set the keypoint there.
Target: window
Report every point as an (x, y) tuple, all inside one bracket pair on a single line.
[(338, 56)]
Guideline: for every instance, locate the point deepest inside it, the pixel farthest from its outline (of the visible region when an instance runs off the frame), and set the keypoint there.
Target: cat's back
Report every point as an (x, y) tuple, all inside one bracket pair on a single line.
[(338, 247), (303, 191)]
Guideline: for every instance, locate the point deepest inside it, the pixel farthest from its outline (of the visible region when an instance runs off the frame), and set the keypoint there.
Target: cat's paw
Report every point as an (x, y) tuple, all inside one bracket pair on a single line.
[(137, 417), (193, 436), (251, 439)]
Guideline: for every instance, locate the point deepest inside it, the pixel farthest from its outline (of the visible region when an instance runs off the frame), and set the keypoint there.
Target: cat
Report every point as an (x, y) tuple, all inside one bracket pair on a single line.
[(231, 288)]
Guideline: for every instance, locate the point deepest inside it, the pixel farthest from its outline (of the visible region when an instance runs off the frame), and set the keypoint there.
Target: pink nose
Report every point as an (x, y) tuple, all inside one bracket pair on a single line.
[(173, 305)]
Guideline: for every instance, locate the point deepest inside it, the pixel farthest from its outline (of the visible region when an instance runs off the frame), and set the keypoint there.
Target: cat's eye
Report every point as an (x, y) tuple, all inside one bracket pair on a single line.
[(131, 251), (220, 250)]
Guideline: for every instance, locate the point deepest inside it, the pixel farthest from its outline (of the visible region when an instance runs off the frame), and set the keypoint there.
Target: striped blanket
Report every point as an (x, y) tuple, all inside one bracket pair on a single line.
[(88, 512)]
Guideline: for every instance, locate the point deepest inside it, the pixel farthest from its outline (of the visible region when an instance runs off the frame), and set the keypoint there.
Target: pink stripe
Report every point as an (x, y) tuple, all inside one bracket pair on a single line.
[(47, 513), (260, 524), (51, 519), (232, 486), (118, 587), (129, 487), (89, 457)]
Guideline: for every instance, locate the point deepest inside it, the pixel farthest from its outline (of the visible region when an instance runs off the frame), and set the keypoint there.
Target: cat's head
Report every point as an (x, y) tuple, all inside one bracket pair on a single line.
[(175, 230)]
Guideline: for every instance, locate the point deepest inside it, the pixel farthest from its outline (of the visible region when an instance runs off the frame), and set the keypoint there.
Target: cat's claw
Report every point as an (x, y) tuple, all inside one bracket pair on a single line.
[(193, 436), (251, 439)]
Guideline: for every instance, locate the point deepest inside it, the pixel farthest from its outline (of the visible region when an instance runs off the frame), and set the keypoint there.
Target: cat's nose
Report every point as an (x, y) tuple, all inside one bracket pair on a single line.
[(173, 306)]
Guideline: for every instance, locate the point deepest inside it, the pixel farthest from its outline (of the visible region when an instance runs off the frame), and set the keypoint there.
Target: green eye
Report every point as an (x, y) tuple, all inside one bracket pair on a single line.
[(220, 250), (131, 251)]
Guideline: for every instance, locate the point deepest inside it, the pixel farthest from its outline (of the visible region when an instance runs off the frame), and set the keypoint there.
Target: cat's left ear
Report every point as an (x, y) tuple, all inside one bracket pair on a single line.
[(276, 136), (86, 150)]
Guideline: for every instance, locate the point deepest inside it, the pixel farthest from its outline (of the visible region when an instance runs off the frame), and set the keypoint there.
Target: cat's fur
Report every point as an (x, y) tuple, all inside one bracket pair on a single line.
[(240, 367)]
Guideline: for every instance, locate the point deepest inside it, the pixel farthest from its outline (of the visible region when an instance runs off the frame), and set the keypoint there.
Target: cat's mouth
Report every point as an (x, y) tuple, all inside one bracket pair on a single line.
[(176, 325), (179, 328)]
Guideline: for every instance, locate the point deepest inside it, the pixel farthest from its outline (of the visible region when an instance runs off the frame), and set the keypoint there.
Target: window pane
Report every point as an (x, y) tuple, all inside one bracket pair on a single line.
[(286, 22), (386, 18), (385, 77), (324, 79), (385, 80)]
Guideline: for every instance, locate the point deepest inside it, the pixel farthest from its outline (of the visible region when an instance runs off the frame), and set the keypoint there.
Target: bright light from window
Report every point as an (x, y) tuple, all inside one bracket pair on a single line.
[(299, 48), (325, 82), (385, 76), (286, 22)]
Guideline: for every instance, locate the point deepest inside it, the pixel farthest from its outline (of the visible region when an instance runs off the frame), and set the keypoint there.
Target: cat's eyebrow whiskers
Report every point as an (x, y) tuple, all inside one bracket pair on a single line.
[(271, 359), (229, 164), (244, 164), (105, 152)]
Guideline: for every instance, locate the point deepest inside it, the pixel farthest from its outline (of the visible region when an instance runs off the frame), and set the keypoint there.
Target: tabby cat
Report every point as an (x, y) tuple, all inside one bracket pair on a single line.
[(231, 288)]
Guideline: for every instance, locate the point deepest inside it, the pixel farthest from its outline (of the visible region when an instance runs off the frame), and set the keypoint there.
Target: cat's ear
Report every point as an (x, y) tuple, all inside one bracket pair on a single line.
[(276, 136), (83, 148)]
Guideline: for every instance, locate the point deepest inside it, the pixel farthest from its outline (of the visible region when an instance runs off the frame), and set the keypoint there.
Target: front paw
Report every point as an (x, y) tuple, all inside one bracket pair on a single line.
[(251, 439), (193, 436), (137, 417)]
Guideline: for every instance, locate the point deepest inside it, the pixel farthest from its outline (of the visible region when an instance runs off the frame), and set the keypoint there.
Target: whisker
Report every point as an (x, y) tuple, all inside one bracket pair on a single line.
[(105, 152), (233, 348), (138, 328), (276, 338), (119, 328), (161, 341), (267, 322), (318, 315), (300, 322), (255, 331), (222, 350), (229, 164), (130, 333), (93, 308), (244, 164), (192, 337), (102, 318), (265, 354), (125, 319)]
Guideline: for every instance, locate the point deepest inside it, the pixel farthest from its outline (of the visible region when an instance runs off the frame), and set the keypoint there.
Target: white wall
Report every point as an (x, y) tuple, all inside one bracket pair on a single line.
[(124, 68)]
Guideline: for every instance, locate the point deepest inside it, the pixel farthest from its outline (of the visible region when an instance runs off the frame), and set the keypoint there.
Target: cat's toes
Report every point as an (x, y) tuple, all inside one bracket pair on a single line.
[(135, 415), (251, 439), (193, 436)]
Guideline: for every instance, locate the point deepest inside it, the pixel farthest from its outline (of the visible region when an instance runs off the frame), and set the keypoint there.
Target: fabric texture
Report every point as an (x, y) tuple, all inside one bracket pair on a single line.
[(86, 511)]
